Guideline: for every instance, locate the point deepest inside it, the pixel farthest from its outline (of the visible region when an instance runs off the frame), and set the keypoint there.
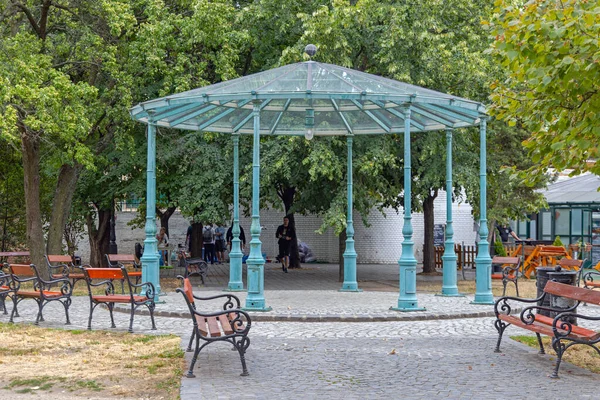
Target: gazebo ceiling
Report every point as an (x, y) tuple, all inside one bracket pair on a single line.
[(342, 100)]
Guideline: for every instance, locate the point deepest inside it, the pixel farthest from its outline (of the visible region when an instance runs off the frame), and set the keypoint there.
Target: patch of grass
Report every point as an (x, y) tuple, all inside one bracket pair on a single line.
[(580, 355), (92, 385), (100, 357)]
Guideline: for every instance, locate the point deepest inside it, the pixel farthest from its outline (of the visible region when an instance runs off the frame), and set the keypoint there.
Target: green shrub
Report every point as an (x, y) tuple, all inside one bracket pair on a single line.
[(558, 242)]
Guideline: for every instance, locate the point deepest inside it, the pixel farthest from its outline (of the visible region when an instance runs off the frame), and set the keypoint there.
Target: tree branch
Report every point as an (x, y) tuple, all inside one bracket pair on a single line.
[(29, 16)]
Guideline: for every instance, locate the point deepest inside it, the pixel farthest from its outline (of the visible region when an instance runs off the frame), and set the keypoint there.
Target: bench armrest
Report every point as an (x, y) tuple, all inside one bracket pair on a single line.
[(528, 317), (150, 289), (228, 305), (561, 321), (502, 305)]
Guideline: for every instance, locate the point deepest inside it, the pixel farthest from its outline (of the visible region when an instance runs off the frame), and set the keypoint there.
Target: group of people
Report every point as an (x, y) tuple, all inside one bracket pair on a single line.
[(216, 240)]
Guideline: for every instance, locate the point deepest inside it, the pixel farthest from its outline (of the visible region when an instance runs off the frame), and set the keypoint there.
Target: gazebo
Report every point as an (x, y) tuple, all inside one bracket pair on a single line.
[(316, 99)]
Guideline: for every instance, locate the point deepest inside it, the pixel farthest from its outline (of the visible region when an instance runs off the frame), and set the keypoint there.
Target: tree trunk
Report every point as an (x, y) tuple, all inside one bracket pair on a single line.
[(61, 207), (164, 217), (196, 240), (428, 247), (341, 249), (31, 173), (99, 237)]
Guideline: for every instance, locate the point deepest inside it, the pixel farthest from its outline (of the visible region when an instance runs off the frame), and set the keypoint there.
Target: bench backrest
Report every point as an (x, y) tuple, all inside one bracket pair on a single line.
[(104, 273), (21, 270), (116, 260), (573, 292), (56, 258), (14, 254), (506, 260), (569, 262)]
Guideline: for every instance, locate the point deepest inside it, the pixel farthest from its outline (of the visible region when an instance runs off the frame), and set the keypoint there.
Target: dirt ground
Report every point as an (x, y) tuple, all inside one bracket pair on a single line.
[(58, 364)]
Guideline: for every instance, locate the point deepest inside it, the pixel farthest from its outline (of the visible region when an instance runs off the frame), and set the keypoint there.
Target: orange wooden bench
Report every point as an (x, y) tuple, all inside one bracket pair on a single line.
[(563, 331), (510, 271), (230, 324), (61, 266), (109, 298), (41, 290)]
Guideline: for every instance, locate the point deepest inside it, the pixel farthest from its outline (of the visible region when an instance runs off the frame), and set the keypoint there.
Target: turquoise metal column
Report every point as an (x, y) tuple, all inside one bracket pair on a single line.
[(255, 300), (150, 265), (350, 284), (235, 256), (483, 261), (407, 300), (449, 287)]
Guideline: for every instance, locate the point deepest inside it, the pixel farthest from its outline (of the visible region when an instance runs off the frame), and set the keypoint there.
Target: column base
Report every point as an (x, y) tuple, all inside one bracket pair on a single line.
[(451, 294), (484, 300), (407, 308), (256, 308), (350, 288), (235, 289)]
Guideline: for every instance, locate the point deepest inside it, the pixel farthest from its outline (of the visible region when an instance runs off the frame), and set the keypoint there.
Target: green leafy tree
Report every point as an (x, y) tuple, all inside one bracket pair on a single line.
[(550, 52)]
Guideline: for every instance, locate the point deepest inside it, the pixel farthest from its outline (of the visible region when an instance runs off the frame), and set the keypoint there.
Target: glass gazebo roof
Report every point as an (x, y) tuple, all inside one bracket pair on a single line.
[(344, 101)]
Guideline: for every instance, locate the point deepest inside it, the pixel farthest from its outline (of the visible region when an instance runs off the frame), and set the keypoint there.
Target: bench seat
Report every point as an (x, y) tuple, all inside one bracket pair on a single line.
[(543, 325), (118, 298)]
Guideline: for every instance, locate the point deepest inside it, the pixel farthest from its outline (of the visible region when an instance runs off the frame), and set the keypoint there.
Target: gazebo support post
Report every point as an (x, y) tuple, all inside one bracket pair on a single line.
[(449, 287), (483, 261), (235, 256), (350, 284), (407, 300), (150, 263), (255, 301)]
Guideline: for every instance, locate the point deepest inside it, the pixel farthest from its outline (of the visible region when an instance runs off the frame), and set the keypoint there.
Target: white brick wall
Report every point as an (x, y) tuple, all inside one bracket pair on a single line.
[(381, 242)]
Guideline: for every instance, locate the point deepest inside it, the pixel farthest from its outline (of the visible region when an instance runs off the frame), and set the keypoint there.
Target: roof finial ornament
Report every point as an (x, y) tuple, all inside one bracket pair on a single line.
[(311, 50)]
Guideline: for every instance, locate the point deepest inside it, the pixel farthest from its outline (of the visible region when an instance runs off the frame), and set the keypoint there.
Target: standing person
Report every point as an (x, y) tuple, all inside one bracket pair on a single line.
[(505, 231), (188, 238), (285, 233), (229, 237), (163, 240), (220, 243), (208, 238)]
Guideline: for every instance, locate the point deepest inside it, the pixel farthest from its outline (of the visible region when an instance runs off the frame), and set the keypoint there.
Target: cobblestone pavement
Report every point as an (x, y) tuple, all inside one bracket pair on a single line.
[(432, 359)]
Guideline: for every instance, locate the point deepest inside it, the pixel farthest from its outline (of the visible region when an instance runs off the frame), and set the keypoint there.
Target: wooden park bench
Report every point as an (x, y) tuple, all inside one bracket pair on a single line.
[(510, 271), (230, 324), (109, 298), (128, 261), (61, 266), (193, 266), (40, 290), (563, 330)]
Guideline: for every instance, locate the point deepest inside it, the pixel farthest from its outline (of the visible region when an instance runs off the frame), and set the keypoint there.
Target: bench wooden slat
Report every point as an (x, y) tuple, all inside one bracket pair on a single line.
[(22, 270), (55, 258), (121, 257), (213, 326), (47, 293), (505, 260), (14, 254), (225, 324), (593, 284), (117, 298), (201, 321), (71, 276), (104, 273), (573, 292)]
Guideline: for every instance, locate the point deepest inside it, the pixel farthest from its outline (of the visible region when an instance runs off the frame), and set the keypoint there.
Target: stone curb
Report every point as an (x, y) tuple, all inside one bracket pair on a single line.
[(266, 317)]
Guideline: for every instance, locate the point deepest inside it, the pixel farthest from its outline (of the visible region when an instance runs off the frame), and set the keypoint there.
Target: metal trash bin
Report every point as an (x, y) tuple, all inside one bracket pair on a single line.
[(569, 278), (542, 278)]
